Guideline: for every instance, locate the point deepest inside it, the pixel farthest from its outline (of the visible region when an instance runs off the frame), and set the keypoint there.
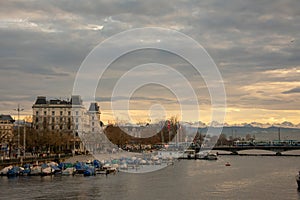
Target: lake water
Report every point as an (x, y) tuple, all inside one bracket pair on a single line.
[(248, 177)]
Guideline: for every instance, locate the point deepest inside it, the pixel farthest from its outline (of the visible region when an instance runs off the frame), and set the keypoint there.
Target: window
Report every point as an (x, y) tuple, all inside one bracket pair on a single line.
[(37, 113), (93, 124), (69, 113), (76, 113), (93, 117), (93, 129), (45, 112), (53, 112), (76, 120), (53, 119), (53, 127), (61, 113)]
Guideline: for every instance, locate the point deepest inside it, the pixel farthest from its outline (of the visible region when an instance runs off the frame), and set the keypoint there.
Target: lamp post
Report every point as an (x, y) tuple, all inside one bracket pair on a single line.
[(19, 110), (24, 139)]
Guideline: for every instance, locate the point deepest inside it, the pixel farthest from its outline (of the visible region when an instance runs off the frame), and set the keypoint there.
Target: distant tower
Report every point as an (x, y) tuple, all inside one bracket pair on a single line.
[(94, 116)]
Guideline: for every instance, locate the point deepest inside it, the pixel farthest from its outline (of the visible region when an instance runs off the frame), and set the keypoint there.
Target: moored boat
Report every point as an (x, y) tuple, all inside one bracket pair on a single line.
[(4, 171), (14, 171), (68, 171), (298, 180), (206, 155), (35, 171)]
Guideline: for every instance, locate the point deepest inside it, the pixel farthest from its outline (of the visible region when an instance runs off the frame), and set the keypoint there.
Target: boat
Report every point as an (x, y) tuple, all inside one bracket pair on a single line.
[(90, 171), (35, 171), (4, 171), (26, 170), (227, 164), (46, 170), (68, 171), (298, 180), (206, 156), (80, 167), (14, 171)]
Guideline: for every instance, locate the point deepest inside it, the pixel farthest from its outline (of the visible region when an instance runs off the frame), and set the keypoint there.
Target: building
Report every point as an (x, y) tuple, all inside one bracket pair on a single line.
[(92, 135), (94, 117), (67, 117), (6, 133), (59, 116)]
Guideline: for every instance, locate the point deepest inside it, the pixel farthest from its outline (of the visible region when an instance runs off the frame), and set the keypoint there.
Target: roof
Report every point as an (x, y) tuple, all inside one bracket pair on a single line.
[(7, 118), (94, 107), (76, 100), (41, 100)]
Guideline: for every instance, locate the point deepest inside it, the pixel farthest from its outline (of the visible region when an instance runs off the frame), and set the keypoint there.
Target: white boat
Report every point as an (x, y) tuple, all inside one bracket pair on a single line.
[(47, 171), (298, 180), (124, 166), (4, 171), (68, 171), (35, 171), (204, 155)]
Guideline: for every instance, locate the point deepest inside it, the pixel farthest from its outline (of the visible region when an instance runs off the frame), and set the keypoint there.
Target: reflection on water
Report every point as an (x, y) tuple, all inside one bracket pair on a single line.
[(246, 178)]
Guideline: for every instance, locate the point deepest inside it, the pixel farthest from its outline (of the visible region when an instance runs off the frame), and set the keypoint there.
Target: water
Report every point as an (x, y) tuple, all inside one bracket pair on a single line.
[(248, 177)]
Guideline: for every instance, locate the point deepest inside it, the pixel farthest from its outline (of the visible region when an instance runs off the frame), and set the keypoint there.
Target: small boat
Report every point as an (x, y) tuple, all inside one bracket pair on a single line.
[(13, 172), (124, 166), (227, 164), (80, 167), (35, 171), (298, 180), (206, 156), (90, 171), (26, 170), (68, 171), (4, 171), (97, 164), (46, 170)]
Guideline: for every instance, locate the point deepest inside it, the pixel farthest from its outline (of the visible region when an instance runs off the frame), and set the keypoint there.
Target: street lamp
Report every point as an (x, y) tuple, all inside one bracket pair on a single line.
[(19, 110), (24, 139)]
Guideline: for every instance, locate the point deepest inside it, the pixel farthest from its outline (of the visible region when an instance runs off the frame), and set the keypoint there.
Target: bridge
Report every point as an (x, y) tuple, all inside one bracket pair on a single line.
[(235, 149)]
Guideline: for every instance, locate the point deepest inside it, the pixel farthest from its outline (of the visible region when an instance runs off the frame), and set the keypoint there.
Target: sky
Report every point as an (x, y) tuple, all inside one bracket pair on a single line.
[(254, 44)]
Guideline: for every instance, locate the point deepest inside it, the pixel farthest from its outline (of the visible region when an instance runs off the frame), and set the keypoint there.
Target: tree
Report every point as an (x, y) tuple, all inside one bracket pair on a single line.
[(222, 140)]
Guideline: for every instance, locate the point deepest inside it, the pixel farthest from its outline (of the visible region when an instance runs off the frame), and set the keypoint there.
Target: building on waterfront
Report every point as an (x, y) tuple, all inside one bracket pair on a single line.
[(59, 116), (6, 133), (68, 117)]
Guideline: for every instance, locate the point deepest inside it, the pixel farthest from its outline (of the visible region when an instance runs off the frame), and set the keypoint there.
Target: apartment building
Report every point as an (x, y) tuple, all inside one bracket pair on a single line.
[(67, 117), (6, 133)]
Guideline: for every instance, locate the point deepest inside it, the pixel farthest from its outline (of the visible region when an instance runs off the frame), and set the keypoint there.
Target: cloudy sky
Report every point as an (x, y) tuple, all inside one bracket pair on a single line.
[(255, 45)]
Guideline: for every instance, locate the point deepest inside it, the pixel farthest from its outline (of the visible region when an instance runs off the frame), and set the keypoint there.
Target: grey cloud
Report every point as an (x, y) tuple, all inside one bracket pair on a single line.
[(233, 32), (294, 90)]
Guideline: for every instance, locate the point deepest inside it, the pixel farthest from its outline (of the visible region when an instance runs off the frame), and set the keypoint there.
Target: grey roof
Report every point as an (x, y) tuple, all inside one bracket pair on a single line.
[(7, 117), (41, 100), (94, 107), (76, 100)]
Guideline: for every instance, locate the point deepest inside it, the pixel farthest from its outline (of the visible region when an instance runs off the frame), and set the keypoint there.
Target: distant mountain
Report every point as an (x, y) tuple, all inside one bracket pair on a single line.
[(284, 124), (236, 131)]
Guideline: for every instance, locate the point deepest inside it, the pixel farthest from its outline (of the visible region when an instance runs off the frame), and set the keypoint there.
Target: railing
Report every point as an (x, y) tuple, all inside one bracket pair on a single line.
[(33, 159)]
